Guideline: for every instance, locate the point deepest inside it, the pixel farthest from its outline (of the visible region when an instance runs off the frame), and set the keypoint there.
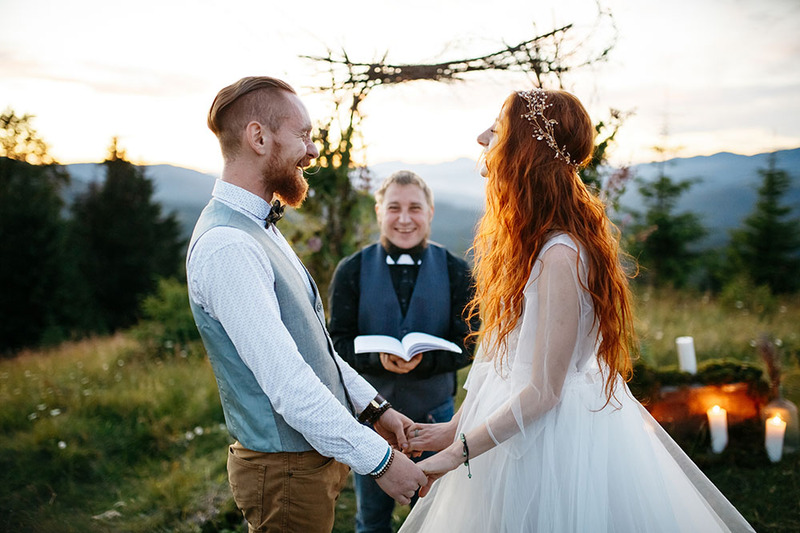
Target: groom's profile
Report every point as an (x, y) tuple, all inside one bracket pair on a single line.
[(293, 406)]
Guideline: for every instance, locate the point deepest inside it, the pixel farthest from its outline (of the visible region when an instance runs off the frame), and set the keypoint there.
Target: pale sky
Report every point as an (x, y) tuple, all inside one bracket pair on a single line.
[(715, 75)]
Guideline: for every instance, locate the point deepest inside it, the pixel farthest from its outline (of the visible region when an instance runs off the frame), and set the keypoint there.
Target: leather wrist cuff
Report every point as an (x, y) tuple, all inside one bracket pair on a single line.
[(374, 410)]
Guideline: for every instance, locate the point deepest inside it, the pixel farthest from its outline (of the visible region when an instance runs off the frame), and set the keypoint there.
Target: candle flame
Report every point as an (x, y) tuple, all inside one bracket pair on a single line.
[(776, 420), (716, 409)]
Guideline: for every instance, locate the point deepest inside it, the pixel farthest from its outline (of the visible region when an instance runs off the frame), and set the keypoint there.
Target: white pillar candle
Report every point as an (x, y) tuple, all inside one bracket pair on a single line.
[(773, 438), (718, 425), (686, 356)]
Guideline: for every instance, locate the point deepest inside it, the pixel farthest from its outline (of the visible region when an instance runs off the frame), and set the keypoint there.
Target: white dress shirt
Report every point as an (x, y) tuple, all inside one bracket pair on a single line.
[(230, 276)]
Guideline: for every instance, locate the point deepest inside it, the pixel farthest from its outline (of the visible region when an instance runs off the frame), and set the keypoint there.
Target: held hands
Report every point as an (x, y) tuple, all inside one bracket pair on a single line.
[(430, 437), (393, 427), (398, 365), (402, 479), (438, 465)]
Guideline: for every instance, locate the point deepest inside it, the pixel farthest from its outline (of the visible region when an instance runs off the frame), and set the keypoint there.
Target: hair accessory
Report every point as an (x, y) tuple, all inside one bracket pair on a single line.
[(536, 99), (465, 453), (275, 213)]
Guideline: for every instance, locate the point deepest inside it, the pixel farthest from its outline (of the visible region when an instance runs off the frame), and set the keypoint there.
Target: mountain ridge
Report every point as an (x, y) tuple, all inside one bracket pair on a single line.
[(725, 194)]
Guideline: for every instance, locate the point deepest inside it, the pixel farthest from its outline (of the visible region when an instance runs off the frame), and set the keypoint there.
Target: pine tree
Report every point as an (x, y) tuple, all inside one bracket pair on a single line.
[(662, 238), (36, 298), (125, 242), (767, 248)]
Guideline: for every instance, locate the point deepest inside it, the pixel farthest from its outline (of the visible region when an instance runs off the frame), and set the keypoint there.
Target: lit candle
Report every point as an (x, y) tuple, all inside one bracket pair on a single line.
[(686, 356), (718, 424), (773, 438)]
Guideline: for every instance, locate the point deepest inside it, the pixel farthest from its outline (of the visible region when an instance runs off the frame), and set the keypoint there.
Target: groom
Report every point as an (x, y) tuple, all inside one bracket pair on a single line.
[(292, 405)]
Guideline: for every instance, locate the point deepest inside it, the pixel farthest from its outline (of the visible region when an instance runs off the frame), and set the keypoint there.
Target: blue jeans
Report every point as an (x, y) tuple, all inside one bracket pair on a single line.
[(373, 506)]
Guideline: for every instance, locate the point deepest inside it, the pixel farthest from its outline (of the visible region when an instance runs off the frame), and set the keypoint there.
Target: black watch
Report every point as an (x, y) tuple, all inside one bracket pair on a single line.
[(374, 410)]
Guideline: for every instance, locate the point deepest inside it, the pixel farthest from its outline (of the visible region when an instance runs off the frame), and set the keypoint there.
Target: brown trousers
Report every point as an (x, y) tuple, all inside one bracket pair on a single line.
[(285, 492)]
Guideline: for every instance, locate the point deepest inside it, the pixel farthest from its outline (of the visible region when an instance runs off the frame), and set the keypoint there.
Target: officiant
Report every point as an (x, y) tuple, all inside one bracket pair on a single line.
[(401, 284)]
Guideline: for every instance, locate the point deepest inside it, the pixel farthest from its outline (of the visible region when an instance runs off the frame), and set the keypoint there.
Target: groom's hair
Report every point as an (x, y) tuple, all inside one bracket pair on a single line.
[(258, 98)]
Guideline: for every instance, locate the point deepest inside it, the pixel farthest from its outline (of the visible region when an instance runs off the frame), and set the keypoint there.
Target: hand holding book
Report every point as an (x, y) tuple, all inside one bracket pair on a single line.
[(405, 348)]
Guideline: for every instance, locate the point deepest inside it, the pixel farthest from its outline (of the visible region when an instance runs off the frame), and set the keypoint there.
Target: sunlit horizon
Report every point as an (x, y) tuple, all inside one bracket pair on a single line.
[(698, 77)]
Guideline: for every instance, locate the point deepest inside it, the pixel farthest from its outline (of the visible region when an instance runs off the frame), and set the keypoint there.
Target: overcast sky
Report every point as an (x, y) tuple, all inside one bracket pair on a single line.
[(700, 76)]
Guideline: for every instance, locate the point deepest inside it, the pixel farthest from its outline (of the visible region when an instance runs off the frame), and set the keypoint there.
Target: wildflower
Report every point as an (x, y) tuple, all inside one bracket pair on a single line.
[(189, 435), (55, 412), (41, 407), (33, 416), (198, 430), (739, 304), (62, 444), (120, 363)]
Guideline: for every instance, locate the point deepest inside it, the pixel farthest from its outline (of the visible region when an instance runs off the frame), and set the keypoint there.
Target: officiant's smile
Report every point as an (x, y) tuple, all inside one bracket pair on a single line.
[(405, 215)]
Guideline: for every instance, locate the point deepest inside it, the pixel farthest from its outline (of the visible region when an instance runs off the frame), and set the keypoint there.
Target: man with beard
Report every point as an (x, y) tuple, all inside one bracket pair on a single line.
[(292, 405)]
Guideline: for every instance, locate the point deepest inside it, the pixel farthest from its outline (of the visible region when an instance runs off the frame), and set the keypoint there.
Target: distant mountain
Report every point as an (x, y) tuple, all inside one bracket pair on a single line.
[(727, 189), (724, 196), (177, 189)]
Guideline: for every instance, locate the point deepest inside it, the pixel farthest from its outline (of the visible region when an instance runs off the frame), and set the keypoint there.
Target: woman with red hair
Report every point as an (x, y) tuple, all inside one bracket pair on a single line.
[(549, 434)]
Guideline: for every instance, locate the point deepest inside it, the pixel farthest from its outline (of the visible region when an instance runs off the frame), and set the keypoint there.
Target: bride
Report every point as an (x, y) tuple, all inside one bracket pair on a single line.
[(549, 437)]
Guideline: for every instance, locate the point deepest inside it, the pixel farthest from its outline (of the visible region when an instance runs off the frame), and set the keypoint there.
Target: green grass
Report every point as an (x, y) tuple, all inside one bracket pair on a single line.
[(97, 436)]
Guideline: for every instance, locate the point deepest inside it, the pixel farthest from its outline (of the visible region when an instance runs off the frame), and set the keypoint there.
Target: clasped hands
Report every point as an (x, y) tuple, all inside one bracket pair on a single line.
[(398, 365), (412, 439)]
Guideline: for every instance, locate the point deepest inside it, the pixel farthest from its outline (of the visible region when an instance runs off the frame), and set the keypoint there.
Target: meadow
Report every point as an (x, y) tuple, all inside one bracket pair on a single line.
[(106, 434)]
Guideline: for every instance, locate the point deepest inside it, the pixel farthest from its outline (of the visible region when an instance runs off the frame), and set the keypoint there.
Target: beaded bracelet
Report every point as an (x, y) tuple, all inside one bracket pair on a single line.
[(384, 468), (465, 453)]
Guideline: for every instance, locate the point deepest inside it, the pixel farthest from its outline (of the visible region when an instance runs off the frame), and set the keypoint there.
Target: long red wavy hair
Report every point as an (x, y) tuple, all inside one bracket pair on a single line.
[(529, 196)]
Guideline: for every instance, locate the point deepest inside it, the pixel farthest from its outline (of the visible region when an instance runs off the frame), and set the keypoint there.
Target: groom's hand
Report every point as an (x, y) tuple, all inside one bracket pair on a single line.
[(402, 479), (392, 427)]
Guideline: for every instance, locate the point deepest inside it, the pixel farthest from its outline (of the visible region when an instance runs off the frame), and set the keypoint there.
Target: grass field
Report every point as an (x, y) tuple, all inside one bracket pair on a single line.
[(99, 436)]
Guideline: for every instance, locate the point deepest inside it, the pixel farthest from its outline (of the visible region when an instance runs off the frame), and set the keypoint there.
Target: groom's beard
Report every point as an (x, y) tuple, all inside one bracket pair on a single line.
[(285, 179)]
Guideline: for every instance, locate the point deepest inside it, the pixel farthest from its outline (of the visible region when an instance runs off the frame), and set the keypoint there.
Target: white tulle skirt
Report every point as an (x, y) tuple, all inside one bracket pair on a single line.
[(579, 468)]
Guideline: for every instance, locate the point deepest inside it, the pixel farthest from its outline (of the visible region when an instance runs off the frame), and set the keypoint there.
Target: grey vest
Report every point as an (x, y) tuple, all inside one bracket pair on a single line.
[(428, 311), (249, 414)]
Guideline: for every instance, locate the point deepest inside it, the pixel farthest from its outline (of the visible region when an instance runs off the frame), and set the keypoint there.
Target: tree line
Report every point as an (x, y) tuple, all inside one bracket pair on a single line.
[(763, 253), (82, 269), (113, 255)]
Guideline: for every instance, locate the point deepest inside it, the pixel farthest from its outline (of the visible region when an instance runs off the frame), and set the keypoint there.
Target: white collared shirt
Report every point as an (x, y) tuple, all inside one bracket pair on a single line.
[(230, 276)]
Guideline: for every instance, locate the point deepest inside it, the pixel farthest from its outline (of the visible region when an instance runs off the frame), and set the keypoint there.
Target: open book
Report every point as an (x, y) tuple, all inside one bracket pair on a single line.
[(412, 344)]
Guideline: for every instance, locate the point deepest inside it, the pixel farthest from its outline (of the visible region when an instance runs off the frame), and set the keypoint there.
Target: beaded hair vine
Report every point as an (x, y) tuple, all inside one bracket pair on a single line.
[(536, 100)]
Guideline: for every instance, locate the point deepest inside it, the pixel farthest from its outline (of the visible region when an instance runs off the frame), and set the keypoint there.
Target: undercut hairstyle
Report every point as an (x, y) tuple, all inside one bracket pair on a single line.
[(252, 98), (404, 177)]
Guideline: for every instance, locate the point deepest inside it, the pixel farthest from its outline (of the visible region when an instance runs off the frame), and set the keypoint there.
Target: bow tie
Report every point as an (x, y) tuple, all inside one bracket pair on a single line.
[(275, 213), (404, 259)]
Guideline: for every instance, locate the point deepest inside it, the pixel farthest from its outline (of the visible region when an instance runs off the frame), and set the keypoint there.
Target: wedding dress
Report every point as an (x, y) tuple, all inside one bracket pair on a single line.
[(565, 459)]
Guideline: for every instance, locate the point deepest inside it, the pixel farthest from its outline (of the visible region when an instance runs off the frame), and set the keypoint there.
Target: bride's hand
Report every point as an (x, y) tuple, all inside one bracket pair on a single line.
[(430, 437), (438, 465)]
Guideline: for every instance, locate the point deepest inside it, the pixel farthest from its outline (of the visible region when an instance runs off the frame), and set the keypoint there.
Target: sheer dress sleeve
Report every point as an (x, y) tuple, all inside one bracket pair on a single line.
[(547, 346)]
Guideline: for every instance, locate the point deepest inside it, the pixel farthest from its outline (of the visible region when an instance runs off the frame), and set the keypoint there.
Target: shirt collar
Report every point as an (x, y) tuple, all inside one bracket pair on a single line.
[(250, 204), (400, 256)]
